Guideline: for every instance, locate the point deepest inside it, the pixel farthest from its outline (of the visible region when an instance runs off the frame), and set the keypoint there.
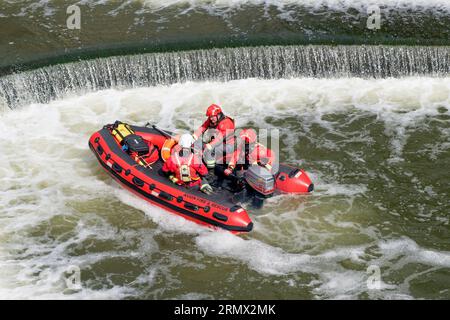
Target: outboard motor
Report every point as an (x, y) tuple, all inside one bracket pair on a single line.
[(262, 182)]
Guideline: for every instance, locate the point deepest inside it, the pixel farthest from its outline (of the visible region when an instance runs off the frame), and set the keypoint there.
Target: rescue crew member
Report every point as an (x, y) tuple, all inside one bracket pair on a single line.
[(184, 167), (219, 126), (249, 152)]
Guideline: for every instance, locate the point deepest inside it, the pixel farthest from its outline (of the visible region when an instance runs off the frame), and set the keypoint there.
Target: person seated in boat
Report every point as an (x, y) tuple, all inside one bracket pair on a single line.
[(218, 131), (184, 167), (249, 152)]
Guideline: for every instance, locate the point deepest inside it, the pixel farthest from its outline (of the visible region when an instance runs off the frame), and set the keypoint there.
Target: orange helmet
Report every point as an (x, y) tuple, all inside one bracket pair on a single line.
[(248, 135), (213, 110)]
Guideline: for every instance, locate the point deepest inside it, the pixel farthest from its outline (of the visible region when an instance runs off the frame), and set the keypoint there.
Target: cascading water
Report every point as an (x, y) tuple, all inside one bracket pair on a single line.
[(52, 82)]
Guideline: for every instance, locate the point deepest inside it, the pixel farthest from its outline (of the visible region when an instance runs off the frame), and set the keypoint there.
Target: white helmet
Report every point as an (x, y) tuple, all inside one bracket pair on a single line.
[(186, 140)]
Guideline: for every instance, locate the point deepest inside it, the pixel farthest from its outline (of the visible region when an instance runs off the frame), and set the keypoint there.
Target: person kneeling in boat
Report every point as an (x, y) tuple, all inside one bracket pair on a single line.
[(249, 152), (218, 131), (184, 167)]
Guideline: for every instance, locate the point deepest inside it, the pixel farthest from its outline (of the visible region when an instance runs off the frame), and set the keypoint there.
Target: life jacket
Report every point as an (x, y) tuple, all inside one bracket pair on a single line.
[(185, 172), (226, 139), (212, 130), (230, 138), (220, 118)]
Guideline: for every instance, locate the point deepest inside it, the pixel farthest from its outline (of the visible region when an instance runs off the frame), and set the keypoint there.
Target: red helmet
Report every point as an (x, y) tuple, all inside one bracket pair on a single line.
[(213, 110), (248, 135)]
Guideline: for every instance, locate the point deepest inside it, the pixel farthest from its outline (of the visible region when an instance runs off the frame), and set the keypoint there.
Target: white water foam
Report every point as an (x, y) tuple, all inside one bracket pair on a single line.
[(337, 5), (411, 252), (168, 222)]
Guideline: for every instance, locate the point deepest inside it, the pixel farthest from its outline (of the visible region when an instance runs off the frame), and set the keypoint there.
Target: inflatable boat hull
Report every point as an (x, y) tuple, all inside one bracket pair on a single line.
[(151, 185)]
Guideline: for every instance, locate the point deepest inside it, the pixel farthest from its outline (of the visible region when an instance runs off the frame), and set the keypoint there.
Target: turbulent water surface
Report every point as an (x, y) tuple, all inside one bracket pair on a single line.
[(378, 151)]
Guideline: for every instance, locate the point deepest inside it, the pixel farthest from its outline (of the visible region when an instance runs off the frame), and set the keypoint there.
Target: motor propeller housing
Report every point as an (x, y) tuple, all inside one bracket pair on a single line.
[(260, 179)]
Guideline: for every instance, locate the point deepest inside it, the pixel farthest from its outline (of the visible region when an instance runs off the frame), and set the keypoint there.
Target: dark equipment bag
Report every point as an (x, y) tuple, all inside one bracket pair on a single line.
[(136, 144)]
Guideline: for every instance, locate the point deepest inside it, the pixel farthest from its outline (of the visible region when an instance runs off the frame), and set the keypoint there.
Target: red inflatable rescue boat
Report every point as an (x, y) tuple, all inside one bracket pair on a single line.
[(145, 178)]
